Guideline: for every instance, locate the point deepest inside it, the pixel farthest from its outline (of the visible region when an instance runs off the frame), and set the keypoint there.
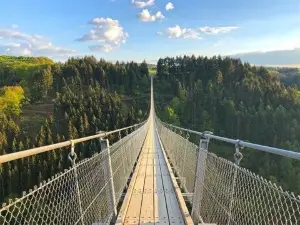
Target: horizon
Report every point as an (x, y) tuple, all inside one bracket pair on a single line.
[(265, 33), (154, 63)]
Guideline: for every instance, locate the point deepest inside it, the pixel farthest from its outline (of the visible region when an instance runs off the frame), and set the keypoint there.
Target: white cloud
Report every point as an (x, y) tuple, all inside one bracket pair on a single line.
[(16, 49), (146, 16), (142, 4), (217, 30), (105, 30), (9, 48), (159, 15), (160, 33), (12, 34), (29, 44), (101, 48), (169, 6), (178, 32), (15, 26)]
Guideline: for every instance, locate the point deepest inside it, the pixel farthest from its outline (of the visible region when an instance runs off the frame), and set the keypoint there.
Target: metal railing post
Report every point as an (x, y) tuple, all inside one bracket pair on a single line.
[(72, 157), (199, 179), (109, 174)]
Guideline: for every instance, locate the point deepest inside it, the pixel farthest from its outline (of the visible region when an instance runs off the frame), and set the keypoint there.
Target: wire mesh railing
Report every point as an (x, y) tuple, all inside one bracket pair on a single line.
[(86, 193), (124, 154), (182, 154), (230, 194), (223, 192)]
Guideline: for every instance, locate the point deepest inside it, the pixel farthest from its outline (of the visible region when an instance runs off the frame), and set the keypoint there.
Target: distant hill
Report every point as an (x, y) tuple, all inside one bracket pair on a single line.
[(283, 66), (285, 62), (151, 65), (16, 69), (288, 75), (19, 61), (281, 57)]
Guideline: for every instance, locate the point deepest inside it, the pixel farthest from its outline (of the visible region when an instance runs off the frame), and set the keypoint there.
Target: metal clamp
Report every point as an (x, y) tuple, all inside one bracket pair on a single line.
[(72, 156), (238, 156), (205, 133), (187, 135), (180, 132)]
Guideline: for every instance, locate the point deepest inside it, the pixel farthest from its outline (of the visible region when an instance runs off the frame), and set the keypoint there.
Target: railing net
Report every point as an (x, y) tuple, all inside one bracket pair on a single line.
[(80, 195), (225, 193), (124, 154), (182, 154)]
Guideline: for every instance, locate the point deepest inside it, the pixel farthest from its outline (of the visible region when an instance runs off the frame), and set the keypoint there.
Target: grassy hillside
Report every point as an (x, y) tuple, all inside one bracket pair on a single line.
[(22, 65), (21, 61), (20, 69)]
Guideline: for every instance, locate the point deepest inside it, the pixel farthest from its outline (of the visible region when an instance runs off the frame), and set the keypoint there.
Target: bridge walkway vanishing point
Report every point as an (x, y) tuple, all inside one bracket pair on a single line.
[(153, 196), (137, 173)]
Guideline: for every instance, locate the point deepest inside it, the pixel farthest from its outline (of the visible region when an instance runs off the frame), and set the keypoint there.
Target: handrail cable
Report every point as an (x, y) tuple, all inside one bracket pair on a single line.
[(240, 143), (34, 151)]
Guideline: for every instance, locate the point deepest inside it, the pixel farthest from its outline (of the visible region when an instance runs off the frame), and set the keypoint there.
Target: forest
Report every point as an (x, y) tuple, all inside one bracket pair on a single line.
[(234, 100), (218, 94), (87, 96)]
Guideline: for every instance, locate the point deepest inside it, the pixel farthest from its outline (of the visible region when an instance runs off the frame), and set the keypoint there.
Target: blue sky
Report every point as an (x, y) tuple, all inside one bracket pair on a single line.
[(144, 29)]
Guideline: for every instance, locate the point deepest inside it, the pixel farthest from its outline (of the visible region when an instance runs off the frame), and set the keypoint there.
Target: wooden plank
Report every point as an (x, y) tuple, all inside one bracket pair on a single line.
[(130, 211), (147, 210), (174, 213), (160, 207), (147, 215), (133, 212), (125, 205), (142, 170), (149, 171)]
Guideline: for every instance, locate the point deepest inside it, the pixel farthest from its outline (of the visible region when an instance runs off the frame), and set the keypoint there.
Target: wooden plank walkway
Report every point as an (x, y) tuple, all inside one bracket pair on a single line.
[(153, 196)]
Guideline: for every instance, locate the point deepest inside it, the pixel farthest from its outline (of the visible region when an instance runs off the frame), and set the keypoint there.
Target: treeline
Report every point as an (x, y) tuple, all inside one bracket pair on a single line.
[(41, 77), (235, 100), (86, 101)]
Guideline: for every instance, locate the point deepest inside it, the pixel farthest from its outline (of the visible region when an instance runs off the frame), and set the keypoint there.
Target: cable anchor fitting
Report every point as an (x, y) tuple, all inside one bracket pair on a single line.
[(119, 136), (205, 133), (238, 156), (72, 155), (187, 135)]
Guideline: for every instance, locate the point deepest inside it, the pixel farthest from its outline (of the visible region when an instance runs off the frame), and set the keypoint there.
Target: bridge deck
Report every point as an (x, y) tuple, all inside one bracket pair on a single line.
[(152, 196)]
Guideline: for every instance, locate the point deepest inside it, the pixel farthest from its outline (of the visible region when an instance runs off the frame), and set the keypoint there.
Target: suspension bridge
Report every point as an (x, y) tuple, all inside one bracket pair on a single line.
[(153, 175)]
